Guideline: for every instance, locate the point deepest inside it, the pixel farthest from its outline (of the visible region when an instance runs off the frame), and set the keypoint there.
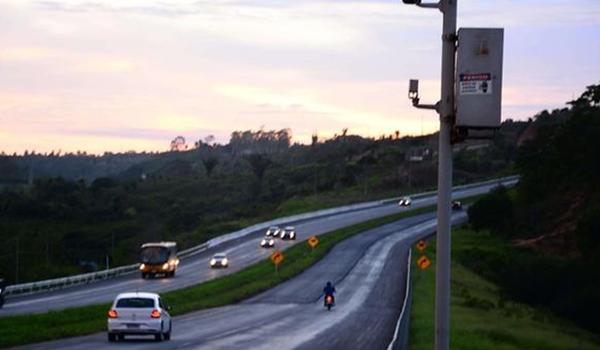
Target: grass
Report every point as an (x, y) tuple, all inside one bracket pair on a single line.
[(27, 329), (480, 317)]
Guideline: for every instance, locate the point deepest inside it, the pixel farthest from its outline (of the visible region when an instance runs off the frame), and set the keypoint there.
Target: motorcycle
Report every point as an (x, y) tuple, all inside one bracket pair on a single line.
[(329, 302)]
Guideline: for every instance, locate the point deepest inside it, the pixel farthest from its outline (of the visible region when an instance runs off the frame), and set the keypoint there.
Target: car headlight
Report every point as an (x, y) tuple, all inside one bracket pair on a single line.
[(224, 261), (142, 266), (213, 261), (263, 242), (165, 266)]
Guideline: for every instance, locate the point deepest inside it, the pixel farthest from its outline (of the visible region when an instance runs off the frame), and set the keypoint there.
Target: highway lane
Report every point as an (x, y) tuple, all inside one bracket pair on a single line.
[(369, 272), (242, 252)]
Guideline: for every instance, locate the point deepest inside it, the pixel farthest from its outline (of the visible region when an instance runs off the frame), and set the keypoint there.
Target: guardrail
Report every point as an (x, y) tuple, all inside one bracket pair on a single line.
[(87, 278), (502, 180), (400, 340)]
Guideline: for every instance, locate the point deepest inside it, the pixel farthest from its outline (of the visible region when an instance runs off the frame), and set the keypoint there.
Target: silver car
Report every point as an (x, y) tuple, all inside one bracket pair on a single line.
[(139, 314), (219, 260), (405, 202), (288, 233), (273, 231), (267, 242)]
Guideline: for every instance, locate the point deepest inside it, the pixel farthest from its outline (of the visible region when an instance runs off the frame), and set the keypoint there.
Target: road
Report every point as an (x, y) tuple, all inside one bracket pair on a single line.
[(368, 271), (242, 252)]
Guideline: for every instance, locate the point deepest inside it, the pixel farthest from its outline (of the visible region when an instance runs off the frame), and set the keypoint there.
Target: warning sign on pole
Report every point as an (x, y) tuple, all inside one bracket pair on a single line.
[(479, 78), (423, 262), (277, 257), (313, 241), (475, 84)]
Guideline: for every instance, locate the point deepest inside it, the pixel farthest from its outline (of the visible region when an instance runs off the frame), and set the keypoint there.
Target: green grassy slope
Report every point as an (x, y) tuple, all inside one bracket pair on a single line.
[(27, 329), (481, 318)]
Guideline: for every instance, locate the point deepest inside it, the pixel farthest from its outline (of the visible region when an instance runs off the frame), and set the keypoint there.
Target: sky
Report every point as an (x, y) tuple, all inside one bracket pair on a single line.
[(125, 75)]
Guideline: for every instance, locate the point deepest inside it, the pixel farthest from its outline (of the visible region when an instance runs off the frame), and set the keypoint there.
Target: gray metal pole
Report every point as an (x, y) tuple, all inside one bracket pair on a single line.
[(442, 283)]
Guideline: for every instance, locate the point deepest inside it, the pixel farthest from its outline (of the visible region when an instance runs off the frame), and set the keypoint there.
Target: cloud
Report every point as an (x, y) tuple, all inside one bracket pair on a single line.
[(25, 54), (105, 65), (90, 73), (302, 24), (520, 13)]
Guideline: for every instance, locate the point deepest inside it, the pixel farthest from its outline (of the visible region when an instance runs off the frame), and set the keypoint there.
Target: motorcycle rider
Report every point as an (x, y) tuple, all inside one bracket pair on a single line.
[(329, 290)]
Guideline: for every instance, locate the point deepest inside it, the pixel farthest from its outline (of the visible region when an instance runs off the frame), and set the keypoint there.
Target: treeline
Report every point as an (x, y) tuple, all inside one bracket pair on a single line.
[(551, 219), (23, 169), (58, 226)]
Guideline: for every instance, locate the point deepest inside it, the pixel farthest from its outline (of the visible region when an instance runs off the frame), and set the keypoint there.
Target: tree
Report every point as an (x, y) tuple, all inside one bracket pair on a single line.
[(210, 163), (178, 144), (259, 164), (564, 152)]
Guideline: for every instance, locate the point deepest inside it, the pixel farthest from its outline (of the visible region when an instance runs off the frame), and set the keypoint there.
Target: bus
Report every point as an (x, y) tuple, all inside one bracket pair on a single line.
[(158, 258)]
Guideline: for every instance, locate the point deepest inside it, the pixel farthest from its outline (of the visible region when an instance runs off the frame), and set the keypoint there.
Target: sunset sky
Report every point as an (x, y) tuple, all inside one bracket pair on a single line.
[(133, 74)]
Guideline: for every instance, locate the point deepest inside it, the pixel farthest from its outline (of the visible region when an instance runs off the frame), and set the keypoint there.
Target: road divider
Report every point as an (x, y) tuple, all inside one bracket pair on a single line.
[(87, 278), (229, 289)]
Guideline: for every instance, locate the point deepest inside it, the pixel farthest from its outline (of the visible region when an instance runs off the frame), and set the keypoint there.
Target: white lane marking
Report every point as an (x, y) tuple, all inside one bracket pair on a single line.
[(351, 218), (301, 327), (406, 293)]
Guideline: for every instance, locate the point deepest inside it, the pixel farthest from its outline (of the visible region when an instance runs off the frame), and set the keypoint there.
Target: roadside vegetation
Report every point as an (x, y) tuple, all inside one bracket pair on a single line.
[(66, 214), (548, 224), (27, 329), (482, 316)]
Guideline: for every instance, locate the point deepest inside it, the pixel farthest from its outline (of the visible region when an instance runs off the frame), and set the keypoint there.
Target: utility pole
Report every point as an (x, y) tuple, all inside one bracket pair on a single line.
[(446, 109), (472, 104)]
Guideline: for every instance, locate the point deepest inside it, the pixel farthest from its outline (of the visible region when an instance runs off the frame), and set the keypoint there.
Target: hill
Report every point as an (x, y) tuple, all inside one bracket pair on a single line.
[(551, 219), (60, 225)]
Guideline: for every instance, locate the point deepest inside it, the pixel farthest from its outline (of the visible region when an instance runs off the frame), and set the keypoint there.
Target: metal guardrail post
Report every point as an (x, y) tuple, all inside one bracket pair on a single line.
[(62, 282)]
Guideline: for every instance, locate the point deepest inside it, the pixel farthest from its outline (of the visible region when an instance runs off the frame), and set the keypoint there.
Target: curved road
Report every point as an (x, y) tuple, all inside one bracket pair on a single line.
[(368, 270), (241, 252)]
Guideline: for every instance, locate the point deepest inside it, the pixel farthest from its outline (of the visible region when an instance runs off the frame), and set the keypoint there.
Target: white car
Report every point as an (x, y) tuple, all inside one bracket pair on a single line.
[(273, 231), (288, 233), (139, 314), (219, 260), (267, 242), (405, 202), (456, 205)]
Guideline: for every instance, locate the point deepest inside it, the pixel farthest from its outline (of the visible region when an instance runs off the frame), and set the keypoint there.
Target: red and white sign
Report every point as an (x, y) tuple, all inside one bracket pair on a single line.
[(475, 84)]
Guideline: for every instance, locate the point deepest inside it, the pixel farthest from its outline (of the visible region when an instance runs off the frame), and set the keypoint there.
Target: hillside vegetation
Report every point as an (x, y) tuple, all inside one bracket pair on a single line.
[(65, 225), (482, 317), (550, 221)]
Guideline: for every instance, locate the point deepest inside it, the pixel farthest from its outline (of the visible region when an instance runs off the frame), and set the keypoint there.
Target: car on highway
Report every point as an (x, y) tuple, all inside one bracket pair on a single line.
[(158, 258), (405, 202), (267, 242), (2, 292), (273, 231), (456, 205), (219, 260), (139, 314), (288, 232)]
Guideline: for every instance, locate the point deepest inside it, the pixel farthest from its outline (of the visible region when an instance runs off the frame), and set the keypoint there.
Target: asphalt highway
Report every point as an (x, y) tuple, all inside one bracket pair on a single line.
[(241, 253), (369, 271)]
